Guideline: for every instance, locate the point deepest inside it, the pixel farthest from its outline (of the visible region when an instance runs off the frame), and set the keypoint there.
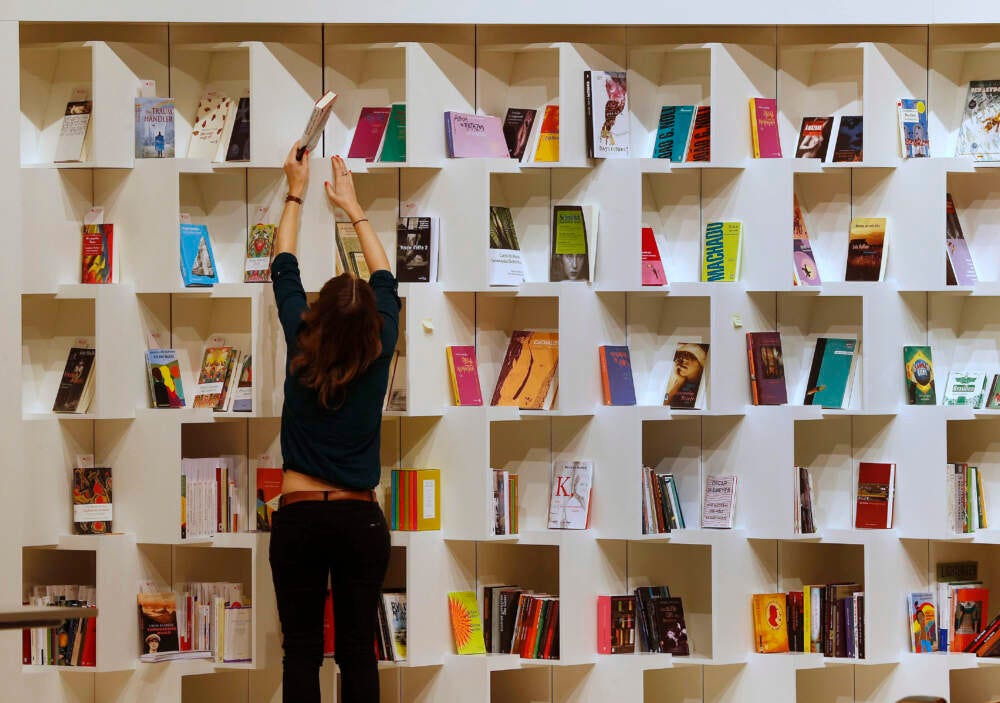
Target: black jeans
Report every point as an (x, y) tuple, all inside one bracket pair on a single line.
[(349, 541)]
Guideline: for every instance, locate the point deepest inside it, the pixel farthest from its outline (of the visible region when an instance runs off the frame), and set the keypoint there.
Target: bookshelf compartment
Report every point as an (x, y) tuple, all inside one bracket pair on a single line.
[(973, 685), (974, 442), (56, 444), (962, 332), (50, 327), (824, 684), (803, 563), (524, 447), (520, 685), (976, 195), (671, 205), (528, 195), (205, 688), (217, 200), (826, 205), (674, 446), (825, 448)]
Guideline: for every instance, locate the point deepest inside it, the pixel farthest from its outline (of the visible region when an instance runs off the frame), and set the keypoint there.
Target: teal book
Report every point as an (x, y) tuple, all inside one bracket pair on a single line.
[(832, 370), (673, 132), (394, 140), (197, 259)]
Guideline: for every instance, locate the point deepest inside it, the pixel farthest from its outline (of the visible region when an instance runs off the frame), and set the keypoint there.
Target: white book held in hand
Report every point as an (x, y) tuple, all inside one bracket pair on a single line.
[(316, 124)]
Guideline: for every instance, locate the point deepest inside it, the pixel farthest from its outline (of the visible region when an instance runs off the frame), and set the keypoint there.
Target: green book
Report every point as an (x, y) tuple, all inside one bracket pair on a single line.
[(394, 141), (570, 259), (919, 369), (832, 369), (965, 388), (720, 251)]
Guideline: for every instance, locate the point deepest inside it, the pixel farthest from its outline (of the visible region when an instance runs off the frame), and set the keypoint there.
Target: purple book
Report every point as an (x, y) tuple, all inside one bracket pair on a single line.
[(474, 135), (616, 376), (961, 268), (767, 369)]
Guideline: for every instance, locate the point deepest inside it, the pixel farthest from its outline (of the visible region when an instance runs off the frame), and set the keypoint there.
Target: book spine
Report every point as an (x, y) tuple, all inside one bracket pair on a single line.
[(605, 381), (588, 102), (753, 129), (453, 377), (449, 135)]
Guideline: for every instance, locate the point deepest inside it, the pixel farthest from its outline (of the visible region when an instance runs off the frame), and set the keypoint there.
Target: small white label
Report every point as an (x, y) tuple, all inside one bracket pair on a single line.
[(429, 505), (427, 324), (407, 209), (154, 340), (257, 263), (737, 320), (78, 95), (217, 341), (210, 388), (94, 216), (260, 214), (84, 461), (84, 342), (264, 460), (185, 218), (92, 512), (147, 88)]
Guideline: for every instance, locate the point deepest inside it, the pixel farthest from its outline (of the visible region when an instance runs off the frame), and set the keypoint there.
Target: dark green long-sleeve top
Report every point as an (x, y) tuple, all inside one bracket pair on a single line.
[(338, 445)]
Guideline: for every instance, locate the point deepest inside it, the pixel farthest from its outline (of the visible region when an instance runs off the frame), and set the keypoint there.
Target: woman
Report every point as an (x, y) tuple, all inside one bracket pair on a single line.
[(328, 523)]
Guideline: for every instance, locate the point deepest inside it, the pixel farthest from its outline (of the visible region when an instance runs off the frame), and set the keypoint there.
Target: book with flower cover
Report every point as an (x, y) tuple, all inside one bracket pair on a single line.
[(92, 508), (528, 376), (464, 375), (652, 266), (260, 245), (97, 249), (466, 625)]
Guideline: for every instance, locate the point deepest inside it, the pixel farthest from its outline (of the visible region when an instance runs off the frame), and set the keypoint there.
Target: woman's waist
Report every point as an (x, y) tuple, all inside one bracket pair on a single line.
[(294, 480)]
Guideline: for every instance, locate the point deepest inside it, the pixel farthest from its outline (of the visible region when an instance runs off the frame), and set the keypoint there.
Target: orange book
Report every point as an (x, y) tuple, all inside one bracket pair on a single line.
[(605, 382), (770, 627), (528, 377)]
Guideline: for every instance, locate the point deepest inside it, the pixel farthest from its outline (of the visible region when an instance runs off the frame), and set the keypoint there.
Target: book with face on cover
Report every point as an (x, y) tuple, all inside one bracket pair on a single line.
[(922, 612), (574, 237), (76, 388), (164, 374), (605, 95), (685, 389), (528, 377), (158, 622)]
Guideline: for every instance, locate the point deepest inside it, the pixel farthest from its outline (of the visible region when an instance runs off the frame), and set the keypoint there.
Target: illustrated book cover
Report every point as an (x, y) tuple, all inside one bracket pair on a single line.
[(605, 95)]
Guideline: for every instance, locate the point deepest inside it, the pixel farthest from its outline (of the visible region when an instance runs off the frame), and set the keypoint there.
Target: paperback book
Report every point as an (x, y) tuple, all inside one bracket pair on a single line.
[(469, 136), (158, 623), (368, 133), (216, 366), (350, 257), (700, 145), (805, 523), (914, 138), (876, 491), (214, 109), (166, 390), (662, 511), (154, 128), (671, 630), (547, 148), (652, 266), (197, 259), (92, 506), (243, 392), (831, 373), (919, 370), (260, 246), (76, 387), (466, 625), (965, 388), (922, 616), (770, 623), (850, 139), (316, 123), (268, 495), (569, 496), (673, 132), (814, 138), (719, 503), (517, 129), (978, 136), (396, 398), (416, 249), (767, 368), (764, 128), (867, 249), (806, 272), (685, 389), (415, 499), (993, 400), (72, 143), (528, 376), (961, 268), (605, 95), (506, 263), (393, 148), (615, 624), (464, 375), (616, 375), (237, 143), (574, 229), (97, 254), (721, 252)]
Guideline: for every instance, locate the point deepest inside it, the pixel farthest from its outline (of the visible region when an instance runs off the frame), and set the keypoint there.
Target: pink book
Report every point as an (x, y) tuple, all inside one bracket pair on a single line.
[(652, 266), (475, 135), (765, 116), (368, 133), (464, 376)]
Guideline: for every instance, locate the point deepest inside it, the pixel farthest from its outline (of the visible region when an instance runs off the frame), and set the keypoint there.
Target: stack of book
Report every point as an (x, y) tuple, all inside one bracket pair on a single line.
[(661, 507), (211, 620), (390, 639), (214, 496), (415, 499), (966, 499), (380, 135), (519, 621), (823, 619), (74, 642), (661, 626), (958, 609), (505, 502), (225, 382)]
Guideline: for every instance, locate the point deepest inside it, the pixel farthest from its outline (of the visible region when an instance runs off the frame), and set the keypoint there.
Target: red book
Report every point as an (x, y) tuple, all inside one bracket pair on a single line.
[(97, 254), (328, 641), (767, 368), (700, 148), (368, 133), (89, 655), (876, 486), (268, 495), (652, 265), (531, 629), (552, 632), (413, 500), (971, 608), (26, 646)]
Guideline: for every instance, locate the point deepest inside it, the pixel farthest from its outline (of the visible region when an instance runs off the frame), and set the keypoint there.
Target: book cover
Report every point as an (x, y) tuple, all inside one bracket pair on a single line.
[(209, 124), (238, 144), (517, 130), (158, 622), (416, 250), (268, 495), (394, 141), (831, 372), (961, 268), (993, 401), (721, 251), (569, 495), (767, 368), (466, 626), (806, 272), (876, 489), (506, 262), (652, 266), (978, 135), (850, 139), (700, 146), (671, 630), (368, 133), (395, 399), (866, 249), (684, 387), (212, 377), (764, 128), (719, 503), (605, 95), (72, 142), (547, 149), (73, 395), (922, 612), (197, 258), (260, 245), (395, 611), (965, 388), (243, 393), (527, 376), (616, 624), (814, 138), (918, 367), (570, 259), (97, 254), (770, 627), (616, 375), (673, 132), (154, 128), (971, 608), (350, 257), (318, 117), (464, 375), (914, 139), (164, 374), (92, 507), (470, 136)]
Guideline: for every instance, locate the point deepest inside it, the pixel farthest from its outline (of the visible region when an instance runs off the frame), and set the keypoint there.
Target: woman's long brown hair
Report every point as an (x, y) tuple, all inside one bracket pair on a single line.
[(340, 338)]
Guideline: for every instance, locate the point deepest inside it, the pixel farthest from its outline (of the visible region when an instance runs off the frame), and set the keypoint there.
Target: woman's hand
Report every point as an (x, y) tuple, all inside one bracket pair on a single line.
[(297, 172), (341, 191)]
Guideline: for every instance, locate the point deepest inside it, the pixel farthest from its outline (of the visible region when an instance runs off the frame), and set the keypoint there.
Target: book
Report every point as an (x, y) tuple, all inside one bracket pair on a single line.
[(260, 246), (806, 272), (154, 128), (415, 499), (316, 123), (850, 139), (158, 623), (965, 388), (670, 628), (166, 390), (721, 251), (700, 145), (770, 622), (814, 138), (528, 378), (468, 136), (918, 367), (237, 144), (573, 229), (76, 387), (652, 266), (767, 368), (719, 503), (685, 390), (215, 367), (977, 136), (569, 495), (368, 133), (831, 372), (393, 149), (922, 616), (971, 608), (416, 249), (615, 624), (673, 132), (351, 258), (197, 259), (237, 629), (214, 109), (97, 254), (605, 96), (242, 394), (876, 490), (547, 148), (73, 129), (914, 138), (395, 611), (466, 626), (993, 400), (616, 375), (805, 523), (506, 263), (92, 506), (268, 495), (961, 268), (867, 249), (464, 375), (517, 126), (764, 128), (396, 397)]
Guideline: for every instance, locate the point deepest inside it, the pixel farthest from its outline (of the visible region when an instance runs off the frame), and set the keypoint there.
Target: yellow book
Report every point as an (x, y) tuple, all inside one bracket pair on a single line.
[(466, 625), (548, 135), (528, 377), (451, 376), (753, 129), (428, 499), (721, 252), (770, 627), (806, 619)]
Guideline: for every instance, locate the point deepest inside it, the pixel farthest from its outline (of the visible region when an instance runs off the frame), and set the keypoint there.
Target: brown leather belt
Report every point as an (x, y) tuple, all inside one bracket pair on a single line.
[(323, 496)]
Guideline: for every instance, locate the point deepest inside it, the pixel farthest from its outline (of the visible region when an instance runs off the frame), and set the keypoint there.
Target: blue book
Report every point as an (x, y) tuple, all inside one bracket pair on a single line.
[(197, 260), (832, 369), (616, 376), (914, 138), (673, 132)]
